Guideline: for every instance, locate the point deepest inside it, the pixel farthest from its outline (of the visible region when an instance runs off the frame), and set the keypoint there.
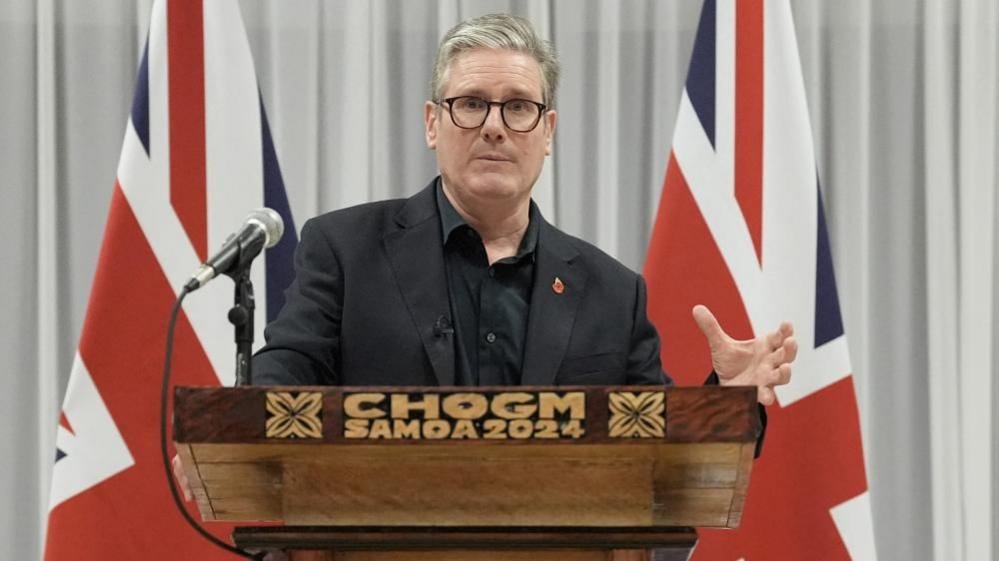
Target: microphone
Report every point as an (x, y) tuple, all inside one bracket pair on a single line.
[(443, 327), (261, 229)]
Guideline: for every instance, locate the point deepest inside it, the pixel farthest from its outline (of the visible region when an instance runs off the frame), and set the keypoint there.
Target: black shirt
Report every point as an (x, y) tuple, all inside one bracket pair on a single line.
[(489, 303)]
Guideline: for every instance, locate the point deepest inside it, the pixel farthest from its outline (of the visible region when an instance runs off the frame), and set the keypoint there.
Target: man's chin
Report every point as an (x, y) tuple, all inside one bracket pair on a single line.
[(495, 188)]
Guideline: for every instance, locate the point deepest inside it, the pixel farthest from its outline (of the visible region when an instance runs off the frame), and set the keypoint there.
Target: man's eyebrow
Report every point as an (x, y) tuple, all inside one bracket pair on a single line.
[(514, 93)]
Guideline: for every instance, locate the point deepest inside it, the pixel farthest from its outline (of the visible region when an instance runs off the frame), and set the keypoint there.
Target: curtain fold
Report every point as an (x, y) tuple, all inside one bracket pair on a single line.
[(977, 88), (47, 260), (940, 155), (903, 99)]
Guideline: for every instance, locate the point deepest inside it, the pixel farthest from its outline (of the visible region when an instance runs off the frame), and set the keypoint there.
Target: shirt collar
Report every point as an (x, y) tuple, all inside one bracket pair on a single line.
[(450, 219)]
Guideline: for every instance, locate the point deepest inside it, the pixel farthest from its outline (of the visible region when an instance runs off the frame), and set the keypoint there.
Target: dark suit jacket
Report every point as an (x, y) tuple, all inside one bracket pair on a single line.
[(370, 292)]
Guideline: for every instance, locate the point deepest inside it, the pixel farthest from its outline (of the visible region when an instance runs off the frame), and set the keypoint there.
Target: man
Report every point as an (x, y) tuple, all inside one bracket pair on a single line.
[(465, 283)]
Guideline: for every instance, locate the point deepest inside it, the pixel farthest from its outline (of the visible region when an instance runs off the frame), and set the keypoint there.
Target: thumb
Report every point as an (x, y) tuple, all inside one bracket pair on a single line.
[(709, 325)]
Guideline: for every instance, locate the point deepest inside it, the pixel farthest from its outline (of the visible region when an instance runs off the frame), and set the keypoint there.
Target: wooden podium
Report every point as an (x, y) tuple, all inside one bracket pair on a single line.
[(513, 473)]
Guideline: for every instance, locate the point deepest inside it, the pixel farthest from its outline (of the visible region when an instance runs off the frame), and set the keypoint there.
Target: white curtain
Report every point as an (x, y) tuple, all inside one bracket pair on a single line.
[(903, 98)]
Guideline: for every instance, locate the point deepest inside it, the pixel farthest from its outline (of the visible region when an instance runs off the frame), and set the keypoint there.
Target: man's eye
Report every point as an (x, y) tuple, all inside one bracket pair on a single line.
[(517, 106), (471, 104)]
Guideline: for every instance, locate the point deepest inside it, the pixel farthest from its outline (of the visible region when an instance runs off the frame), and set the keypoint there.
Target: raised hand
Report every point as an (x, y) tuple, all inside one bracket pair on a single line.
[(763, 362)]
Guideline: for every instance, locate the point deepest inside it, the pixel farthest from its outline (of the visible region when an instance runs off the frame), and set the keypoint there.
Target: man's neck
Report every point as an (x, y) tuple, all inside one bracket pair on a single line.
[(500, 225)]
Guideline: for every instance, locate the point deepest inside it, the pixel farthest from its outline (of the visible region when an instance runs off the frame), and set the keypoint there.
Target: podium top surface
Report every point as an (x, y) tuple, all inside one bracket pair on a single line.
[(617, 415), (635, 456)]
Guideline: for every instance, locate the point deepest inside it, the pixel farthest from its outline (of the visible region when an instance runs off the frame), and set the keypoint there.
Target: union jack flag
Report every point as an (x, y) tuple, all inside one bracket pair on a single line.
[(196, 158), (741, 229)]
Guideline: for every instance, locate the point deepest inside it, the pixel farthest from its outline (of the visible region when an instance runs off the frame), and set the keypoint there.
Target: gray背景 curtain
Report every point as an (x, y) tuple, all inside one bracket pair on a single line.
[(903, 98)]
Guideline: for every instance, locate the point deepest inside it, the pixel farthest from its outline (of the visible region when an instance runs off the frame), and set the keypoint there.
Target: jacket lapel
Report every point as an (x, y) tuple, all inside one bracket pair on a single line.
[(416, 253), (553, 308)]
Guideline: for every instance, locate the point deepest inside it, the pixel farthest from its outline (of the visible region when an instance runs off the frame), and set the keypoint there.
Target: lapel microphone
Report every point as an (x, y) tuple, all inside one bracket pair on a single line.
[(442, 327)]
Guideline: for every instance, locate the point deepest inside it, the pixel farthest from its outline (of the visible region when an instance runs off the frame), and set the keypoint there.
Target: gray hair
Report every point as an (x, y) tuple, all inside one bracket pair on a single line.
[(496, 31)]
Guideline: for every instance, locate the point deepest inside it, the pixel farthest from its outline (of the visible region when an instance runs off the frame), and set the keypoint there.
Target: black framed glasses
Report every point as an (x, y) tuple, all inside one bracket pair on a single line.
[(470, 112)]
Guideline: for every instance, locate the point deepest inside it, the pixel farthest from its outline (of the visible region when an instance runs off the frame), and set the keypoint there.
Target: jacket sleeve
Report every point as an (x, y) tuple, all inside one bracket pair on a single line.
[(303, 343), (712, 380), (644, 365)]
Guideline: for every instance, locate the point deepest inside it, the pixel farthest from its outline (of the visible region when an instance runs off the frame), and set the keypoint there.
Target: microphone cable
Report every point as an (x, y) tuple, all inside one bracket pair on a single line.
[(167, 465)]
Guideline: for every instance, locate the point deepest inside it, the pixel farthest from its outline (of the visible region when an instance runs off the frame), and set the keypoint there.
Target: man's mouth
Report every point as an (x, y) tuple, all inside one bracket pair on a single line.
[(494, 158)]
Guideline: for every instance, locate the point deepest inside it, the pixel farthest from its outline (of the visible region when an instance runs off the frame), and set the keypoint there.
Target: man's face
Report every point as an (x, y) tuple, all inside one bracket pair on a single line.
[(490, 164)]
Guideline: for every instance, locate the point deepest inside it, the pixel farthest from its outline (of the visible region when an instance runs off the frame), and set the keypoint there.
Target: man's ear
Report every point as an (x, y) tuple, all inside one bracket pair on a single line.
[(431, 117), (551, 118)]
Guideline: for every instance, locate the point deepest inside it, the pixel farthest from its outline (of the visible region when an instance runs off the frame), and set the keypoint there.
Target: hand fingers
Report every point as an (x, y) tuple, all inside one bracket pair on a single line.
[(790, 349), (776, 339), (780, 375), (786, 353), (765, 395), (775, 358), (708, 324)]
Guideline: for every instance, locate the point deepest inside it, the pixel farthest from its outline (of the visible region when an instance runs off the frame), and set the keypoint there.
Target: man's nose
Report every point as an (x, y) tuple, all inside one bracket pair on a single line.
[(494, 129)]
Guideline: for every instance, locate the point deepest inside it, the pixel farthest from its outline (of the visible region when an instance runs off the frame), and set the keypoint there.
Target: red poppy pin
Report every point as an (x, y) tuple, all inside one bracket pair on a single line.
[(558, 286)]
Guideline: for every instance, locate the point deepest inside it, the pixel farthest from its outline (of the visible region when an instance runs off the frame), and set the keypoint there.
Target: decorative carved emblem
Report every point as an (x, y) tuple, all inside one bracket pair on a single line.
[(638, 415), (294, 415)]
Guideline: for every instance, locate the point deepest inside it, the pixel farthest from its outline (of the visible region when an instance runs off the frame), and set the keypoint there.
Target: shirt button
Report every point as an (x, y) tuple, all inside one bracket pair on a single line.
[(490, 337), (492, 272)]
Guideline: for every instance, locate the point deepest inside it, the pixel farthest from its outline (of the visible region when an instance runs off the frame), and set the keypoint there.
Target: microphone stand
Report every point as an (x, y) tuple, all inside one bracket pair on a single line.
[(241, 317)]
